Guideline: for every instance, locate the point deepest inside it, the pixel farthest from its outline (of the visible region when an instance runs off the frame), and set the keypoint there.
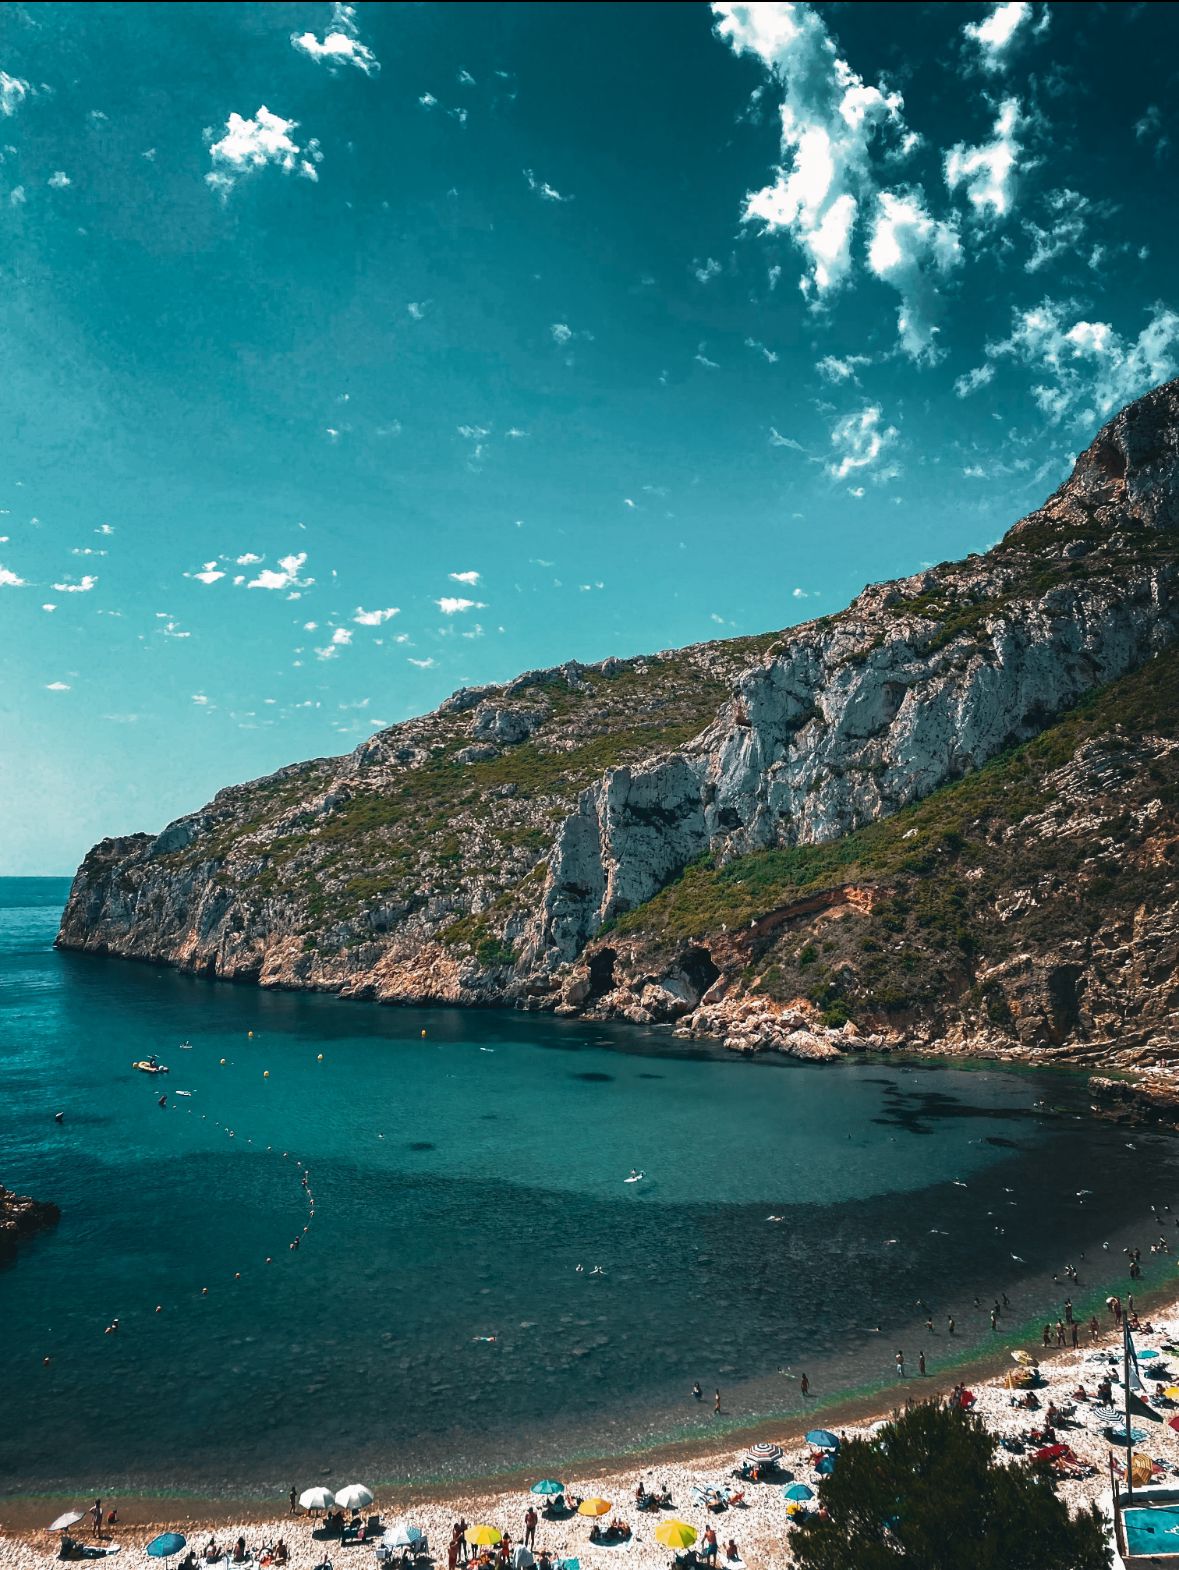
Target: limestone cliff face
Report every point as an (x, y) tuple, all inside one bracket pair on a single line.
[(474, 854)]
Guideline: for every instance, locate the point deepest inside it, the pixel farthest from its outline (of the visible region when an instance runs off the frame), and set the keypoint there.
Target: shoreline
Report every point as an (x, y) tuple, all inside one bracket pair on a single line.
[(700, 1457)]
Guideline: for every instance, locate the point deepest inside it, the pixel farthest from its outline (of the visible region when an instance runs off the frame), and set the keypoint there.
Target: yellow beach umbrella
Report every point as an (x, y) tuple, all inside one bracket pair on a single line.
[(484, 1536), (1172, 1391), (595, 1507), (1141, 1469), (675, 1534)]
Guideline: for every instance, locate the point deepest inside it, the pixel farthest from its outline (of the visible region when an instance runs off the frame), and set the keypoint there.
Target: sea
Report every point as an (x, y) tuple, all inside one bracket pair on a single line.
[(476, 1288)]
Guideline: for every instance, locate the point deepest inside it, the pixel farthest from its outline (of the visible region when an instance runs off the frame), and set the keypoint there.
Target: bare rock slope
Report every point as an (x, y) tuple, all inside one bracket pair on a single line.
[(664, 838)]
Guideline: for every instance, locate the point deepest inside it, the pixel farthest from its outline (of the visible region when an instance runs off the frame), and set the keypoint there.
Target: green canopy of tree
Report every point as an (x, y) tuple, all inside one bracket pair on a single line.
[(926, 1491)]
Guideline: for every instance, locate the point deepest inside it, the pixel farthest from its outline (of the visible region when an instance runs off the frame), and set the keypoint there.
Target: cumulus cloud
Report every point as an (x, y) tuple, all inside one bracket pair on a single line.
[(769, 355), (989, 172), (912, 252), (11, 580), (285, 577), (859, 438), (449, 605), (365, 618), (253, 144), (830, 118), (209, 573), (971, 381), (707, 269), (542, 188), (340, 44), (341, 637), (561, 331), (248, 559), (996, 33), (59, 180), (57, 686), (422, 665), (83, 586), (469, 578), (1089, 369), (832, 369), (1068, 213), (13, 92)]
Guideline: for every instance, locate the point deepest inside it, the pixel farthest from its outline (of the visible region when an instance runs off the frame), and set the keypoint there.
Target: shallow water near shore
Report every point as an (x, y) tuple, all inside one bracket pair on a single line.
[(433, 1324)]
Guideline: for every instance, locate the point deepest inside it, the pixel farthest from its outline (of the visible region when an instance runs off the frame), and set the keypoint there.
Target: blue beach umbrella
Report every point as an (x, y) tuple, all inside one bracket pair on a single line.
[(166, 1545), (822, 1439), (548, 1485), (798, 1491), (826, 1466)]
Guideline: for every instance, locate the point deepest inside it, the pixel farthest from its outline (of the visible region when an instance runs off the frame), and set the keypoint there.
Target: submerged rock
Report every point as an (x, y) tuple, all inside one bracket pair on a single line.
[(22, 1217)]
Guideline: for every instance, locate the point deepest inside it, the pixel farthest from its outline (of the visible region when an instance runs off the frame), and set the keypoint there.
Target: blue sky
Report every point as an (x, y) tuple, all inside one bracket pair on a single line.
[(352, 355)]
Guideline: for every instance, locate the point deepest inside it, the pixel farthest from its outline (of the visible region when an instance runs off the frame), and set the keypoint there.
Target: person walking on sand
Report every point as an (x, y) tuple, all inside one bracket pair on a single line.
[(716, 1404), (96, 1517), (994, 1320), (804, 1385), (900, 1364), (1076, 1333), (530, 1520), (294, 1499), (1047, 1335), (1060, 1332)]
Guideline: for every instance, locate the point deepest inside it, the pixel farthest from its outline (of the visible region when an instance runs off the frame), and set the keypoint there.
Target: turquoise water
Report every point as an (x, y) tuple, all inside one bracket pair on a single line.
[(459, 1179), (1152, 1531)]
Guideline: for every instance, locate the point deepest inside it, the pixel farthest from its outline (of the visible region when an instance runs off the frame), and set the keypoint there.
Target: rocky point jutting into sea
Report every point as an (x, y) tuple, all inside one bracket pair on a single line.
[(947, 817)]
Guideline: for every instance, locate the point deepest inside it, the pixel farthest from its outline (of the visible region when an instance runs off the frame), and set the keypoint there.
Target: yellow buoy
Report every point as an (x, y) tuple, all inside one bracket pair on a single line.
[(423, 1032)]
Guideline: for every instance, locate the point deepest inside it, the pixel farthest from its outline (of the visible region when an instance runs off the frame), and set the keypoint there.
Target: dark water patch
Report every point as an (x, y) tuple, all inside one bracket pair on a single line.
[(422, 1144), (595, 1079)]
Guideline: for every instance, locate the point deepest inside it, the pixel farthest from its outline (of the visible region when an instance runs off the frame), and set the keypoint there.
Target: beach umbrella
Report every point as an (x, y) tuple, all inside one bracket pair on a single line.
[(675, 1534), (798, 1491), (484, 1536), (761, 1454), (548, 1485), (167, 1544), (523, 1558), (317, 1499), (1172, 1392), (1025, 1359), (355, 1497), (70, 1518), (402, 1535), (822, 1439), (1147, 1354), (1172, 1422), (595, 1507), (1141, 1469), (795, 1507), (826, 1466)]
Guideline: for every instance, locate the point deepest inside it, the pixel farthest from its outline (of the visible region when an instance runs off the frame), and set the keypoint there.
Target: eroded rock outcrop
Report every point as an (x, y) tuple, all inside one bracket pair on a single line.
[(21, 1218)]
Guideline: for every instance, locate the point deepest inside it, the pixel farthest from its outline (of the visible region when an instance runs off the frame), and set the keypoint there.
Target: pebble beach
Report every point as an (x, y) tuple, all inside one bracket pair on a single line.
[(760, 1525)]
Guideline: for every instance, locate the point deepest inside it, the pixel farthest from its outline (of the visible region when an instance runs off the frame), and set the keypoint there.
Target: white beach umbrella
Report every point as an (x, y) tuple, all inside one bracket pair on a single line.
[(523, 1558), (71, 1518), (403, 1535), (317, 1499), (355, 1497)]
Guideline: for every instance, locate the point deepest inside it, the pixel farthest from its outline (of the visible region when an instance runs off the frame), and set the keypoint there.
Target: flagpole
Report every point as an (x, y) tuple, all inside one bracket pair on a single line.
[(1126, 1388)]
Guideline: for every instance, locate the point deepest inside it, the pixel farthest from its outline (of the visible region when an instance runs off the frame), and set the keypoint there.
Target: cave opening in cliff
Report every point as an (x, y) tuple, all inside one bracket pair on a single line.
[(601, 973), (699, 970)]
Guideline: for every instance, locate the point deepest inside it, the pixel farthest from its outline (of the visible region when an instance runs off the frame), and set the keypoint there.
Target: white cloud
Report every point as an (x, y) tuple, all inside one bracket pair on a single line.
[(778, 440), (248, 559), (17, 197), (416, 309), (706, 270), (971, 381), (1091, 369), (46, 607), (473, 433), (1068, 215), (561, 332), (469, 578), (702, 359), (912, 252), (57, 686), (450, 606), (859, 439), (199, 699), (254, 143), (422, 665), (105, 528), (13, 92), (340, 44), (768, 355), (83, 586), (627, 501), (10, 580), (59, 180), (341, 637), (974, 471), (989, 172), (287, 577), (832, 369), (799, 594), (365, 618), (542, 188), (427, 100), (995, 34), (829, 120), (209, 573)]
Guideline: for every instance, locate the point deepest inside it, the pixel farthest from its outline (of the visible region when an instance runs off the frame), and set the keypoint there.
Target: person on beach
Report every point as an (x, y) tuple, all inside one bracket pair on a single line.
[(96, 1517), (716, 1404), (530, 1523), (697, 1392), (950, 1323), (900, 1365), (1060, 1332), (804, 1385), (994, 1320), (452, 1552), (1094, 1328), (732, 1553), (294, 1500), (240, 1552), (1047, 1335), (1076, 1331), (921, 1363), (708, 1551), (461, 1526)]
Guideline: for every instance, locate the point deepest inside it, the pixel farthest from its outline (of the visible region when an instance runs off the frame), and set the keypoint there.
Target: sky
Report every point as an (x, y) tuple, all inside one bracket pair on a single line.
[(353, 354)]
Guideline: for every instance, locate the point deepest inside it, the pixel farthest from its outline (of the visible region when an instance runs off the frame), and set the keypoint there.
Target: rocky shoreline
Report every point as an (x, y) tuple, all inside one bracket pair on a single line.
[(22, 1217)]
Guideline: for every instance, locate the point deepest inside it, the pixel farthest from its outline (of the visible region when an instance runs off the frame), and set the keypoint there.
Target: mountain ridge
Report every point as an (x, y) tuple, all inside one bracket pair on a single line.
[(492, 852)]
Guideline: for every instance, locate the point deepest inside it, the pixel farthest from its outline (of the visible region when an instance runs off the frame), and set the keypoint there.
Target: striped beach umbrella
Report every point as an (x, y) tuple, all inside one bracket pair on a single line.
[(764, 1454)]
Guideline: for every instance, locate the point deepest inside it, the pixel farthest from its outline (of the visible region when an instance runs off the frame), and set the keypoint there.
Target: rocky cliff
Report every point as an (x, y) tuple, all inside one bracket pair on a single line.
[(21, 1218), (945, 815)]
